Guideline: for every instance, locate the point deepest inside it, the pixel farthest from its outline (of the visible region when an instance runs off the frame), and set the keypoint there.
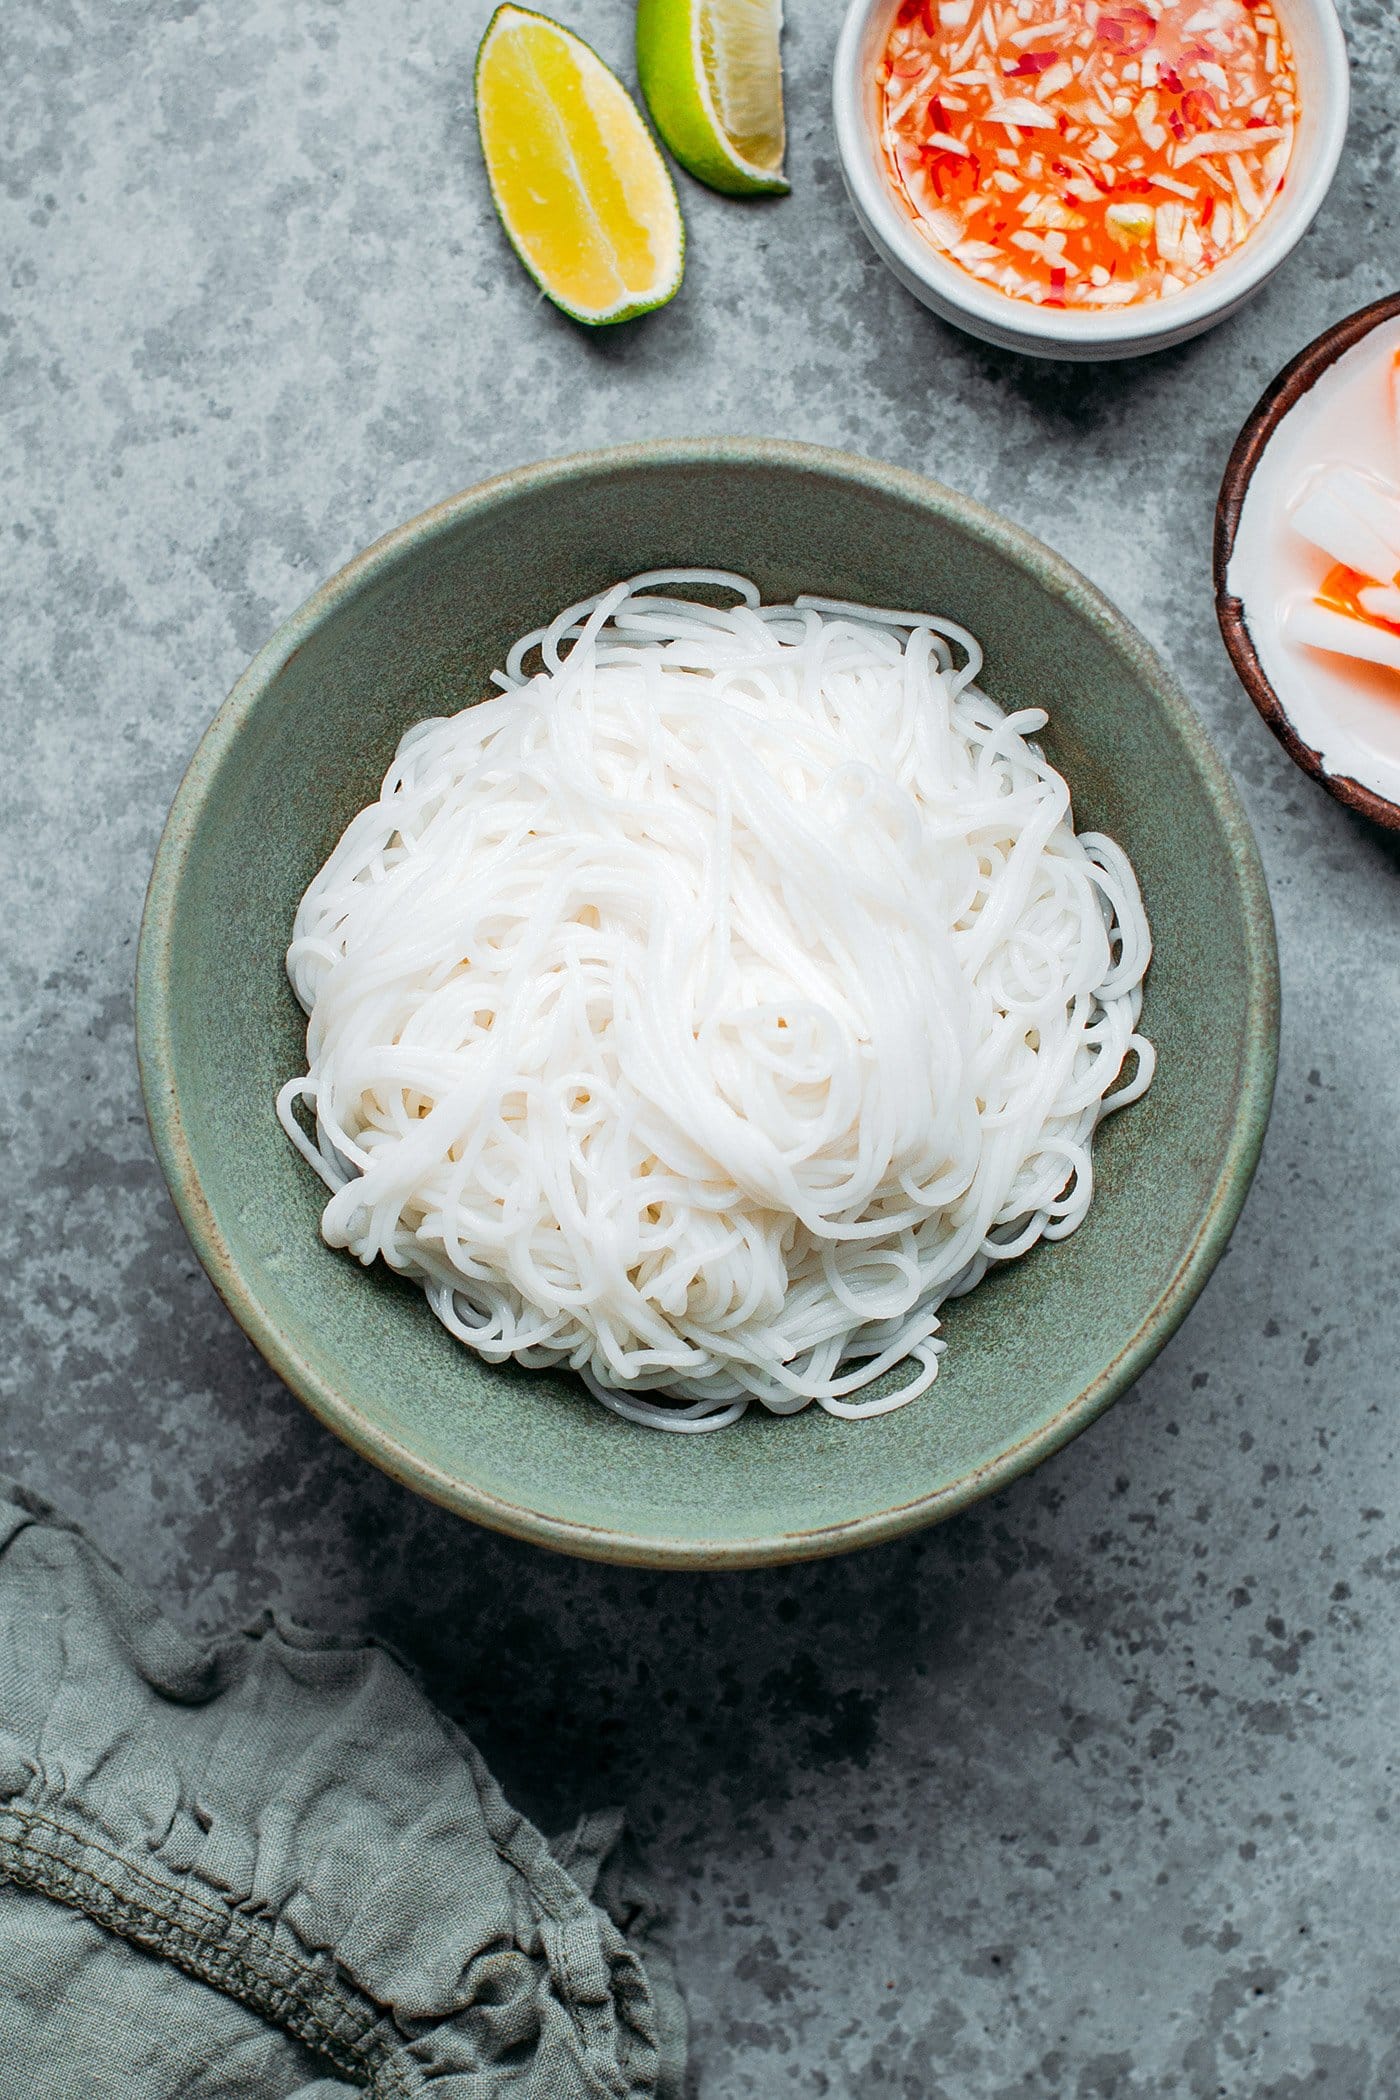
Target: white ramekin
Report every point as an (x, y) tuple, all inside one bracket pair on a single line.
[(1016, 324)]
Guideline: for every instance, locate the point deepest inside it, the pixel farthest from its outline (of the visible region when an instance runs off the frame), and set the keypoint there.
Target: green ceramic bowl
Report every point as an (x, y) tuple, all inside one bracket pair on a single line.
[(412, 628)]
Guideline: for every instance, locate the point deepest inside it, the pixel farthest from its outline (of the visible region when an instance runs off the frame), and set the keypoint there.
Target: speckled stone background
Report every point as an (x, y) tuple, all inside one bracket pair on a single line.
[(1089, 1792)]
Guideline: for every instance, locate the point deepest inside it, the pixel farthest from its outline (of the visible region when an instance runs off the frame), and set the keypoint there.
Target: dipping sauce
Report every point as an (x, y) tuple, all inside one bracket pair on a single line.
[(1087, 153)]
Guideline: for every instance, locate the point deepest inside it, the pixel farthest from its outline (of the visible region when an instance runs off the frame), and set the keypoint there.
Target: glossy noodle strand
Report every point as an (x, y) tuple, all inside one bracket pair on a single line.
[(715, 1000)]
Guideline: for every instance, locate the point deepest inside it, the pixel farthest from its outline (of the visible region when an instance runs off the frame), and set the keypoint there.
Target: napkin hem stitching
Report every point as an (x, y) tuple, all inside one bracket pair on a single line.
[(117, 1905)]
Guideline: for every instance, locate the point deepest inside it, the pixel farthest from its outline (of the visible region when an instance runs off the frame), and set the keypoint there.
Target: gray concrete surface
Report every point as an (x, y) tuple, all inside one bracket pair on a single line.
[(1089, 1792)]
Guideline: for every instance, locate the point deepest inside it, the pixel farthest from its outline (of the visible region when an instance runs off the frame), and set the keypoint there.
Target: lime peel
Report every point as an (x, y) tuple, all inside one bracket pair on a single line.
[(711, 72)]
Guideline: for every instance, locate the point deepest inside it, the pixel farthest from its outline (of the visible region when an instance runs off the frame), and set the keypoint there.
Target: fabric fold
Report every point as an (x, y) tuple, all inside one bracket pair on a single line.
[(284, 1822)]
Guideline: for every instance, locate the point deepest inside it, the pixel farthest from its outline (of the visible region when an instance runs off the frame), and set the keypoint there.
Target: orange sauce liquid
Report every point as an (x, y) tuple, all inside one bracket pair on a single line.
[(1340, 591)]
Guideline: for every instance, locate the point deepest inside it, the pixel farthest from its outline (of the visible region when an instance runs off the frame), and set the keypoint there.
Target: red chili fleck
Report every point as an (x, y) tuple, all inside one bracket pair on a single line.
[(1052, 302), (1198, 107), (1178, 129), (1036, 61), (1254, 123), (1170, 79), (1057, 280), (1129, 29), (938, 115), (948, 170)]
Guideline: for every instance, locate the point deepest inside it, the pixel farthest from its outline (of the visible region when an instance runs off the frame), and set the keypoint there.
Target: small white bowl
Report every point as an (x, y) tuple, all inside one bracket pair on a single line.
[(1018, 324)]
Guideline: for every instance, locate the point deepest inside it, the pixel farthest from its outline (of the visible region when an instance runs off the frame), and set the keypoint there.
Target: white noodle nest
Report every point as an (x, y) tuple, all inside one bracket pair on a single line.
[(706, 1008)]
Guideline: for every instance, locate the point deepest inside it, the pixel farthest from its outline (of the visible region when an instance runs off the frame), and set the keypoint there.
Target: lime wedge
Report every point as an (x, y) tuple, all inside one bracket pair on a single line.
[(712, 75), (581, 189)]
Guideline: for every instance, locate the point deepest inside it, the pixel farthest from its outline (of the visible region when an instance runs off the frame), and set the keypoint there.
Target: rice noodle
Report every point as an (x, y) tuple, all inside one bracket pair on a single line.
[(707, 1006)]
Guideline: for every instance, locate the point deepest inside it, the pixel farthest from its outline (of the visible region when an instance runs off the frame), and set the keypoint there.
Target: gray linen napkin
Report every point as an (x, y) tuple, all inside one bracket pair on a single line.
[(265, 1868)]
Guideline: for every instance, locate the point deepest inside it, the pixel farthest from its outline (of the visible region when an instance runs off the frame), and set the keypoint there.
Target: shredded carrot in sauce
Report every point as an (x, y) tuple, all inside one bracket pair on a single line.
[(1087, 153)]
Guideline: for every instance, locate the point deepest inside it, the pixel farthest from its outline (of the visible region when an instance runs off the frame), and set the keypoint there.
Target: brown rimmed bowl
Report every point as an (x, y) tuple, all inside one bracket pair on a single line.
[(414, 627), (1293, 383)]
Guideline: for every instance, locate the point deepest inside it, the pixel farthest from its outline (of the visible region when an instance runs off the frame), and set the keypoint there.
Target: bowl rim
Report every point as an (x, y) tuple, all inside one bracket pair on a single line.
[(1297, 378), (1130, 330), (279, 1348)]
